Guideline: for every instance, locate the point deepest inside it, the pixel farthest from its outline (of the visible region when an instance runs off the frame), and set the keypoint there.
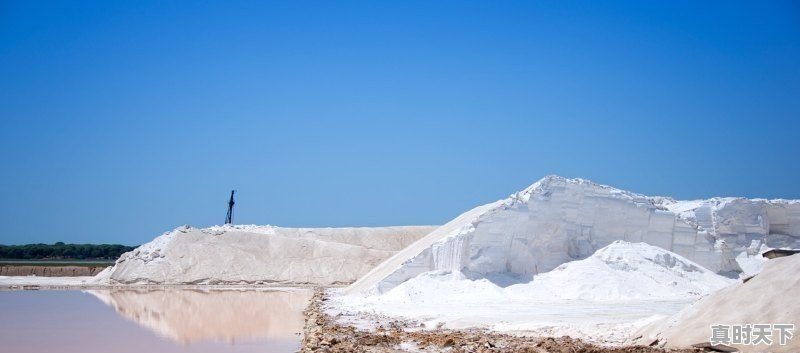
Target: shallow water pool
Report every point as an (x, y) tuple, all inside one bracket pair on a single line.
[(152, 320)]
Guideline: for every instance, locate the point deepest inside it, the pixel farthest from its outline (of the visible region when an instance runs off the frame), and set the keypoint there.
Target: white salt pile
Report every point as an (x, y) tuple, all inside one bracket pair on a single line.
[(557, 220), (569, 256), (768, 298), (599, 298), (623, 271), (260, 255), (620, 271)]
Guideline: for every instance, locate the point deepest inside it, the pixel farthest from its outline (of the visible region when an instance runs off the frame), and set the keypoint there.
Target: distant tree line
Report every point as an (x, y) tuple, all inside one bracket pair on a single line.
[(60, 250)]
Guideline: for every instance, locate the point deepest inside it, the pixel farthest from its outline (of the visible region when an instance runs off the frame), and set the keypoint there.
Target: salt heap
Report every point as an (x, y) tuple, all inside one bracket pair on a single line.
[(557, 220), (767, 298), (619, 271), (625, 271), (260, 255), (602, 298)]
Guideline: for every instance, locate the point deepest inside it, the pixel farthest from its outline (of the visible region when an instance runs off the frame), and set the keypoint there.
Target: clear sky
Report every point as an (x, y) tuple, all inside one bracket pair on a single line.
[(122, 120)]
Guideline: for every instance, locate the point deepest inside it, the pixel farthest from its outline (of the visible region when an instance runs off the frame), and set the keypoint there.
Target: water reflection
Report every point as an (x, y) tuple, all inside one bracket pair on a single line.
[(192, 315), (153, 321)]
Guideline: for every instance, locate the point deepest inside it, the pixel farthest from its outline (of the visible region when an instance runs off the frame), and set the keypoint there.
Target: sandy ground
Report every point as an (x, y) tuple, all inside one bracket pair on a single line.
[(323, 334)]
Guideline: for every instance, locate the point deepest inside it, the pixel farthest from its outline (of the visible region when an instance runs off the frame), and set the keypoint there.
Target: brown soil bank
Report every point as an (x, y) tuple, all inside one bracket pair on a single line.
[(323, 335), (50, 271)]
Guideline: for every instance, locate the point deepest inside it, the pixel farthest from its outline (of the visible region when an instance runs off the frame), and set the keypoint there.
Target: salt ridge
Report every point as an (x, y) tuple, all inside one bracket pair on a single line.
[(249, 254)]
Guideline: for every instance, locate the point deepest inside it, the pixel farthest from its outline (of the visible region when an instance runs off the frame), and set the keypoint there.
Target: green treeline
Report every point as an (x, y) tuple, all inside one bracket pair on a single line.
[(63, 251)]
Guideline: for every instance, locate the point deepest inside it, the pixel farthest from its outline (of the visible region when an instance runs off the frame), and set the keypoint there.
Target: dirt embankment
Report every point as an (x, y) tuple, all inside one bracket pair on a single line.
[(50, 271), (323, 335)]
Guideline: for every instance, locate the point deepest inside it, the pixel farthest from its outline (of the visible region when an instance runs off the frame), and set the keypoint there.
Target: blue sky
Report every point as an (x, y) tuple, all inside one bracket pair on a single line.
[(121, 120)]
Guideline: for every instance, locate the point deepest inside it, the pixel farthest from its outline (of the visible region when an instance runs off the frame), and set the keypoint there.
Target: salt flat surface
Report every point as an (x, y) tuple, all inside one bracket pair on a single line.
[(602, 322), (18, 281)]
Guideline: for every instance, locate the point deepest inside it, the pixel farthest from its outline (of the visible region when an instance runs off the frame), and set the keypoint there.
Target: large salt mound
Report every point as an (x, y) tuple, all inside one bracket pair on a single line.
[(768, 298), (619, 271), (260, 255), (557, 220), (623, 271), (602, 298)]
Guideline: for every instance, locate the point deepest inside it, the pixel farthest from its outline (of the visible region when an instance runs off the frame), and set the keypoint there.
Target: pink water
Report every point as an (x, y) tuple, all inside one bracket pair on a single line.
[(152, 321)]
